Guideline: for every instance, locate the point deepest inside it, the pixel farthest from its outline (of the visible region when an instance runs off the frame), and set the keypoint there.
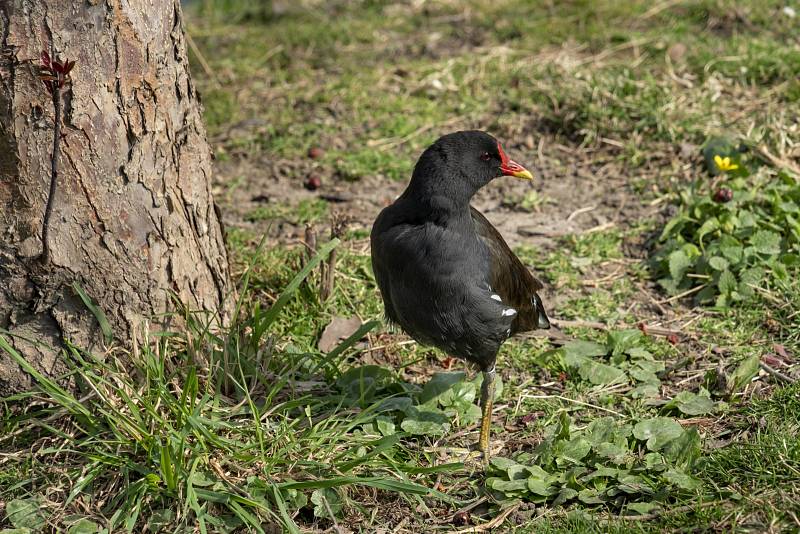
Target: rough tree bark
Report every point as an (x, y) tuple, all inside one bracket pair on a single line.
[(133, 218)]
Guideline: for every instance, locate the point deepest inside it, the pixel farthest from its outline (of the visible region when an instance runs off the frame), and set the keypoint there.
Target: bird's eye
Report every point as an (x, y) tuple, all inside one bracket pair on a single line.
[(485, 156)]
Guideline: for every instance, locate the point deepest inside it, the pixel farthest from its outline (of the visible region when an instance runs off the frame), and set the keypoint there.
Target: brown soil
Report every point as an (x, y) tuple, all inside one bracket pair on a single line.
[(589, 192)]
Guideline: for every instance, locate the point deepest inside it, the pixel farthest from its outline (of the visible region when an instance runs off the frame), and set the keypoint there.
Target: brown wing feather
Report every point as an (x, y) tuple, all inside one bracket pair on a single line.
[(511, 279)]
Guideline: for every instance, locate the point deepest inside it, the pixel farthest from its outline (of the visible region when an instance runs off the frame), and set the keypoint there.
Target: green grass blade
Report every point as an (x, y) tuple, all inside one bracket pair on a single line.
[(272, 313), (105, 326), (288, 522), (60, 395)]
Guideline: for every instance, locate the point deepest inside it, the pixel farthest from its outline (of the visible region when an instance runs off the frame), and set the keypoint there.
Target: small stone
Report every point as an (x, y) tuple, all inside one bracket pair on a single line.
[(313, 182), (677, 52), (315, 152)]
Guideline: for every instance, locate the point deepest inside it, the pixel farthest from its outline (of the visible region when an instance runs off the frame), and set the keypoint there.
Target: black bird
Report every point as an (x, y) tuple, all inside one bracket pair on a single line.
[(445, 273)]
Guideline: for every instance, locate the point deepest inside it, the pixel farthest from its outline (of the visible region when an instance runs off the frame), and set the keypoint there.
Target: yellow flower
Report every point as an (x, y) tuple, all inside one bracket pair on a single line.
[(724, 164)]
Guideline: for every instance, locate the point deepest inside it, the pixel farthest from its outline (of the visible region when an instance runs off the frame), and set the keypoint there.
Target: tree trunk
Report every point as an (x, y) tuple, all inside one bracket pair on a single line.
[(133, 221)]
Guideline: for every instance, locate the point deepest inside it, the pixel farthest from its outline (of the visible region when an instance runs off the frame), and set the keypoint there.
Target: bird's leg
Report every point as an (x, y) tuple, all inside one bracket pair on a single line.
[(487, 400)]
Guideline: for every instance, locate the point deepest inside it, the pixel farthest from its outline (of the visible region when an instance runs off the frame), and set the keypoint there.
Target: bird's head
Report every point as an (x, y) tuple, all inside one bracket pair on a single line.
[(460, 163)]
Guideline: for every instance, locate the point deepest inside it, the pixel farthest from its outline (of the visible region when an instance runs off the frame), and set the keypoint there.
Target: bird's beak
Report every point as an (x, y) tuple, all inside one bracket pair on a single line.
[(512, 168)]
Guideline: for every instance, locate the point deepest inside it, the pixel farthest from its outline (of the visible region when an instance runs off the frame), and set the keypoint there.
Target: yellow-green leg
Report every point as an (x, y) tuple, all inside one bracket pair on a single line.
[(487, 400)]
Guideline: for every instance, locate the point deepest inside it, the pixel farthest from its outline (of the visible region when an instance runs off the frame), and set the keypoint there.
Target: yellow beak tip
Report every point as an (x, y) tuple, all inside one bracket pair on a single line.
[(525, 175)]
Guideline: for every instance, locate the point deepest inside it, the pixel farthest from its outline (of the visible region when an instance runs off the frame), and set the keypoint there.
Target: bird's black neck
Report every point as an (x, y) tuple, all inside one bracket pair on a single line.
[(439, 207), (436, 193)]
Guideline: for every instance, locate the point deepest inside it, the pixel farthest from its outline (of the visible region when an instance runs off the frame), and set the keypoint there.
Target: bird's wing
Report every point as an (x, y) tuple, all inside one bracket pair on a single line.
[(510, 279)]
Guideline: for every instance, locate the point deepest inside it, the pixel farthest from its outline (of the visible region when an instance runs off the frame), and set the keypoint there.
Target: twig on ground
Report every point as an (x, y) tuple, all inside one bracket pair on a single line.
[(600, 227), (471, 506), (653, 515), (310, 242), (338, 225), (563, 323), (497, 521), (777, 374), (579, 211), (681, 295), (776, 161), (202, 60), (567, 399), (675, 366), (390, 142)]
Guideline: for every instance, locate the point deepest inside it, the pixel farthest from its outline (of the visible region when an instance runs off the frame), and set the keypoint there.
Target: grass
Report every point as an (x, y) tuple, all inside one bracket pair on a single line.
[(252, 428)]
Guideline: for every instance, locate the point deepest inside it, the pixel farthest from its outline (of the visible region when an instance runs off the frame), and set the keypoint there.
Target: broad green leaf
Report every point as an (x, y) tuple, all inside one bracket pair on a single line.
[(400, 404), (791, 260), (25, 513), (727, 283), (600, 373), (691, 403), (644, 375), (620, 341), (653, 366), (426, 423), (581, 347), (385, 426), (327, 502), (747, 369), (460, 394), (471, 414), (655, 460), (638, 353), (602, 472), (750, 278), (718, 263), (674, 226), (645, 390), (685, 450), (731, 248), (589, 496), (372, 373), (363, 382), (679, 263), (539, 486), (681, 479), (573, 450), (504, 464), (643, 508), (509, 486), (566, 494), (766, 242), (657, 431), (438, 384), (601, 430), (614, 452), (708, 226), (562, 429)]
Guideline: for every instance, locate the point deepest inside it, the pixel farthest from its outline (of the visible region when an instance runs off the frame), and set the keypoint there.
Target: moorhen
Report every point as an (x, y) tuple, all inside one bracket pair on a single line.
[(445, 273)]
